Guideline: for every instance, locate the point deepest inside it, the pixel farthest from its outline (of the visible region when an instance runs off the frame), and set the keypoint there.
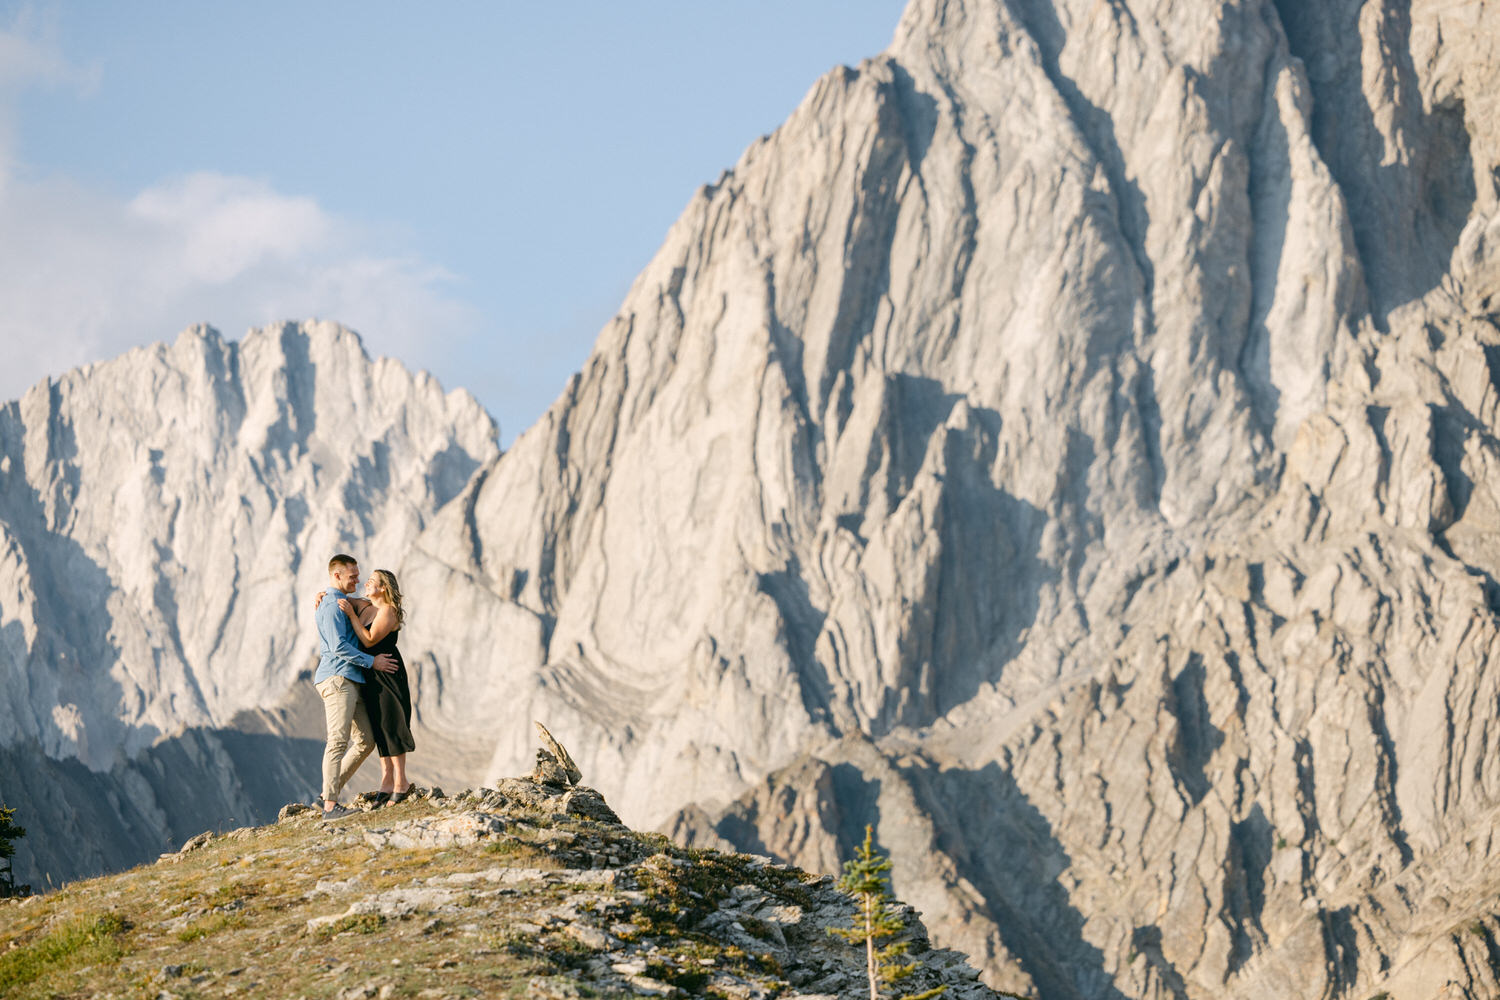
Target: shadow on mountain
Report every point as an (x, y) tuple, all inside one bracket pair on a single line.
[(858, 798), (811, 814), (1271, 208), (801, 622), (81, 823), (965, 611), (1407, 214), (1006, 848), (72, 650), (1039, 18), (986, 587)]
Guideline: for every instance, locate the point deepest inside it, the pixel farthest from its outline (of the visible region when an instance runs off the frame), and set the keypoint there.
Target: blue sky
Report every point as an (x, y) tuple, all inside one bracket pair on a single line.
[(471, 186)]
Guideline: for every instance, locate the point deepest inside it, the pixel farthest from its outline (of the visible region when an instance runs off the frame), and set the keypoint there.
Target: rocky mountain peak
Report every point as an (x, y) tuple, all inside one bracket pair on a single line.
[(1066, 443)]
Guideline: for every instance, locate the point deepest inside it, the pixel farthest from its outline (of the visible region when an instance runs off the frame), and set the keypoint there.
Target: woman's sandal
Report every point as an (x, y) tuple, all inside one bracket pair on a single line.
[(380, 799), (401, 796)]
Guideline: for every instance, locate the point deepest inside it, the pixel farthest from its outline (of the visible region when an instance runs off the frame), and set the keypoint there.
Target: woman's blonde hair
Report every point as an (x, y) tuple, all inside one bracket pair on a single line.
[(392, 593)]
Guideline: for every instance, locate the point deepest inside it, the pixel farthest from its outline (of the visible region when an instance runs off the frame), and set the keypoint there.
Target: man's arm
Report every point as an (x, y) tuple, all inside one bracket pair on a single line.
[(341, 645)]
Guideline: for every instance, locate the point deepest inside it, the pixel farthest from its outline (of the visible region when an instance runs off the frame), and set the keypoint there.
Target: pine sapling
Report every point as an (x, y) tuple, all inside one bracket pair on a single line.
[(877, 920), (9, 834)]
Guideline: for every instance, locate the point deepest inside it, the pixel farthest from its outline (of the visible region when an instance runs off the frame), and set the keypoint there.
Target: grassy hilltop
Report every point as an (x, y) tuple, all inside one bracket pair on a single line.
[(527, 889)]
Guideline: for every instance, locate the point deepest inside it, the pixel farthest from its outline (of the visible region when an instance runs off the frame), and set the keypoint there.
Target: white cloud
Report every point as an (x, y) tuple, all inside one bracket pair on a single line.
[(217, 228), (86, 275), (30, 56)]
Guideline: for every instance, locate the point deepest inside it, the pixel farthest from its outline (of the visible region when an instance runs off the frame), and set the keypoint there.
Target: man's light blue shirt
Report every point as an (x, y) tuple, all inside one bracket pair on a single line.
[(339, 654)]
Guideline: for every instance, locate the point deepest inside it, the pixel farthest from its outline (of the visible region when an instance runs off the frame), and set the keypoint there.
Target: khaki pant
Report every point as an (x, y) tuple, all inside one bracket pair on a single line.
[(343, 709)]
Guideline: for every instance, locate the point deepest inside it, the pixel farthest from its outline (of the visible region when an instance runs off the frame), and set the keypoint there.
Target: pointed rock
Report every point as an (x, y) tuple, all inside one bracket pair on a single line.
[(560, 755)]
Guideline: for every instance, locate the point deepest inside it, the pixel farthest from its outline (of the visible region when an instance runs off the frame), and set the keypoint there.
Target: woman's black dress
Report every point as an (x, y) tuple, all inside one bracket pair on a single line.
[(388, 700)]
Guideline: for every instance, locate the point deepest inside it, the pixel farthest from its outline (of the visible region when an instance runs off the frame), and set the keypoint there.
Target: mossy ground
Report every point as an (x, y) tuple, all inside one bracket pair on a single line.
[(231, 918)]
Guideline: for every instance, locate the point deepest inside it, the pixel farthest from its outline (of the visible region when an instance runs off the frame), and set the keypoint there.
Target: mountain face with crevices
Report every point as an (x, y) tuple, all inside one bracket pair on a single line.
[(1068, 444)]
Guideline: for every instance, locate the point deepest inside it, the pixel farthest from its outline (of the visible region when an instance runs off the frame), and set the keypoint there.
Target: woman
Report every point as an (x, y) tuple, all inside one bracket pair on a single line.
[(387, 696)]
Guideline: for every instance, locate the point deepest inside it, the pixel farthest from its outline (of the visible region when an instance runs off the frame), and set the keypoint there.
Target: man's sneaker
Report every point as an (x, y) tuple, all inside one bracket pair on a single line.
[(337, 812)]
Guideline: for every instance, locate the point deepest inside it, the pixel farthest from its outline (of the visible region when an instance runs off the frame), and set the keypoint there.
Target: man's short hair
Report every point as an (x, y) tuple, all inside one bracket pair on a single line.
[(342, 560)]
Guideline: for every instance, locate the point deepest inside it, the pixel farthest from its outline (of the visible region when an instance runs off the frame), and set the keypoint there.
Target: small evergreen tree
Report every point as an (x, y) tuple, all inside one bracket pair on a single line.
[(876, 920), (9, 834)]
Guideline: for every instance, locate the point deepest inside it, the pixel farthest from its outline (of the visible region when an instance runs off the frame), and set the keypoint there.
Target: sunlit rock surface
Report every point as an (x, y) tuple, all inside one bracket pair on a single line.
[(1069, 443)]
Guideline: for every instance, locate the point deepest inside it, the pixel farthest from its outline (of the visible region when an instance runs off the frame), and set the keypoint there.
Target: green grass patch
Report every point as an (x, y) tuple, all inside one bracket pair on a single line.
[(358, 923), (520, 854), (679, 896), (231, 891), (79, 942), (565, 952), (516, 945), (213, 925), (691, 980)]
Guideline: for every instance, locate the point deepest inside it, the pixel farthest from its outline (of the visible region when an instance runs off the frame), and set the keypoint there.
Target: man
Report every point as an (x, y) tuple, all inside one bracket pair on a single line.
[(341, 667)]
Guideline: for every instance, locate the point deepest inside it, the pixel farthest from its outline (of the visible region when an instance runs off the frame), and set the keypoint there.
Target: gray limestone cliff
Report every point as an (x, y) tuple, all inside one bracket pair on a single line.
[(1068, 442)]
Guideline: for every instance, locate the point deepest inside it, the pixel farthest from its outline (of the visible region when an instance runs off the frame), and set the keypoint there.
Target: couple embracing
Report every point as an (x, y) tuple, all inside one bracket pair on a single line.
[(362, 680)]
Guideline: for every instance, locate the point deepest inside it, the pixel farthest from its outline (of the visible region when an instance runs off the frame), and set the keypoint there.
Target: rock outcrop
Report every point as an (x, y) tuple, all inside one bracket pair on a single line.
[(523, 889)]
